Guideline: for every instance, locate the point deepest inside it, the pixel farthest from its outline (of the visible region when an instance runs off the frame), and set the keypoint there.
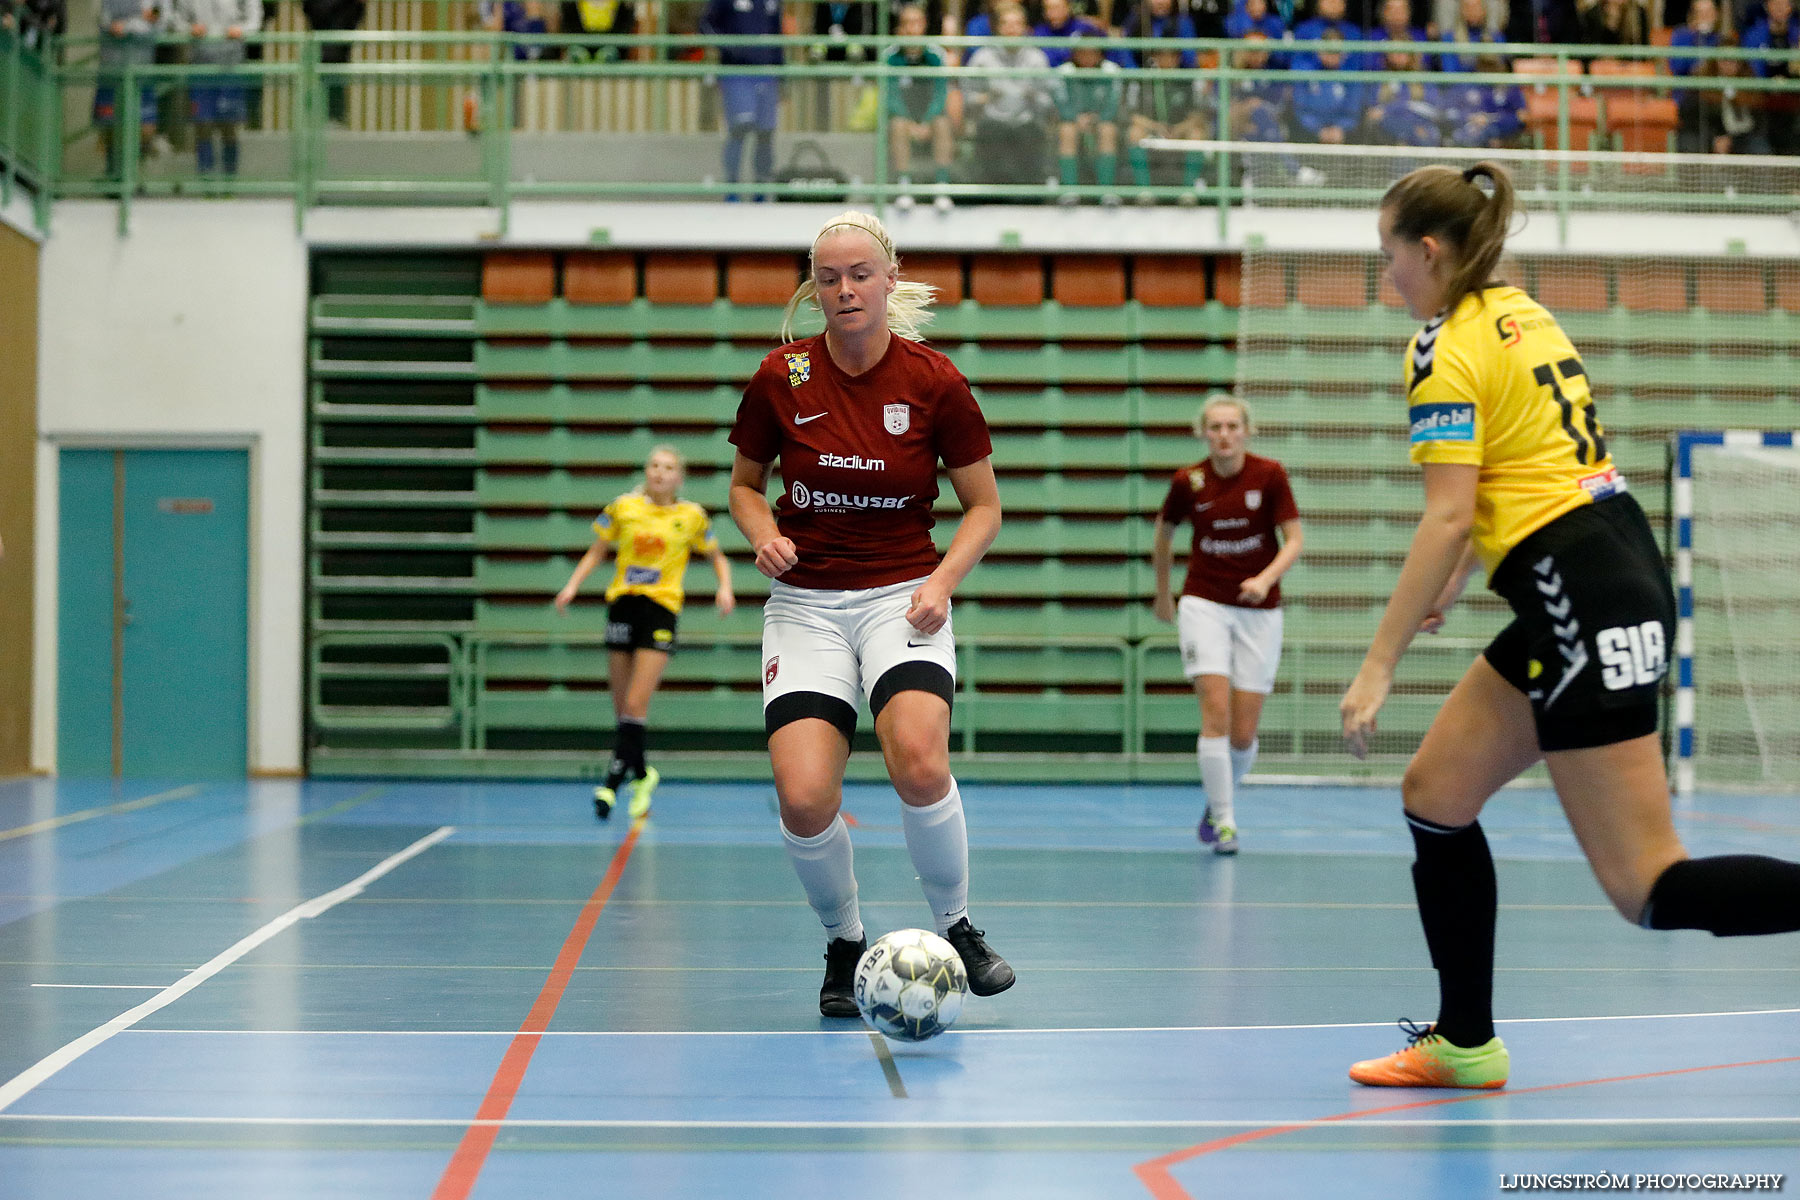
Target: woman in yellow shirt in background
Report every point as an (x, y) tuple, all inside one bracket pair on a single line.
[(655, 531), (1518, 481)]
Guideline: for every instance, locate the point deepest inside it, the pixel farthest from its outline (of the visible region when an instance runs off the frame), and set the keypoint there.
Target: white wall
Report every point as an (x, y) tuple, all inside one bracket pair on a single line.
[(188, 331)]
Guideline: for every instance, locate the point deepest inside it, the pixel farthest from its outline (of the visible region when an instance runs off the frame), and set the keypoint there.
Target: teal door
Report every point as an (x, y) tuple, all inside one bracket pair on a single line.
[(153, 612)]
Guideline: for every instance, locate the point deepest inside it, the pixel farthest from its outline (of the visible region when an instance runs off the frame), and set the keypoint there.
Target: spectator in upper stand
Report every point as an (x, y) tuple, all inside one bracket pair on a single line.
[(1257, 15), (1396, 25), (1010, 110), (1777, 127), (335, 16), (1088, 95), (1259, 114), (1330, 21), (1702, 126), (1474, 25), (836, 21), (1407, 114), (34, 21), (980, 23), (1060, 22), (599, 18), (529, 17), (917, 107), (1158, 18), (1484, 115), (1330, 111), (218, 101), (1169, 107), (750, 103), (1612, 23), (128, 30)]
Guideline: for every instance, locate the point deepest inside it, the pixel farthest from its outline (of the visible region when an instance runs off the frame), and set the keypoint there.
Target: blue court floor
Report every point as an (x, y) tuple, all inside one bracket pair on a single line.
[(378, 989)]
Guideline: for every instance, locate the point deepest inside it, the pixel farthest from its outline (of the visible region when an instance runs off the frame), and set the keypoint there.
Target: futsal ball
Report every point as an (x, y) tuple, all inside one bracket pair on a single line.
[(910, 985)]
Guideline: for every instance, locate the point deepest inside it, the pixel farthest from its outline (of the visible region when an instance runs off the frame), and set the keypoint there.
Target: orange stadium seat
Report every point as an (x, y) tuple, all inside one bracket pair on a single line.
[(761, 279), (599, 277), (1541, 102), (1265, 283), (1725, 287), (1385, 290), (681, 277), (1654, 285), (1571, 285), (1643, 121), (1007, 280), (1088, 280), (1228, 280), (1787, 287), (518, 277), (1331, 281), (1170, 280), (942, 271)]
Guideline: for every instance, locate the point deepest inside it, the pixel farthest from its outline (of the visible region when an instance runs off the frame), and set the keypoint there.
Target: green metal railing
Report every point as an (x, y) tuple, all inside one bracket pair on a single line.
[(47, 142)]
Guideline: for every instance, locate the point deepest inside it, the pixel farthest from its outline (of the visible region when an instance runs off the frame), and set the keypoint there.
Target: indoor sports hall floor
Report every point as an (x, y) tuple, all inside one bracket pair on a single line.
[(379, 989)]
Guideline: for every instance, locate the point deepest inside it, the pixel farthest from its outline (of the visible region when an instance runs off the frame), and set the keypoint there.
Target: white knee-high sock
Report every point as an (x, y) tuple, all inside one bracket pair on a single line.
[(1215, 773), (1242, 761), (937, 838), (827, 869)]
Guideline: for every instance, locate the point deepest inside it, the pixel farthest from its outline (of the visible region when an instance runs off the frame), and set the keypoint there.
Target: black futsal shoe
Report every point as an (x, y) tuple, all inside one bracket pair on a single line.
[(988, 972), (837, 996)]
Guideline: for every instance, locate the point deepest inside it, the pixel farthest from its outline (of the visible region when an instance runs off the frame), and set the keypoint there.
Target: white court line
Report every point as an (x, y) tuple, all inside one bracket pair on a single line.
[(1289, 1123), (29, 1078), (860, 1032), (122, 987)]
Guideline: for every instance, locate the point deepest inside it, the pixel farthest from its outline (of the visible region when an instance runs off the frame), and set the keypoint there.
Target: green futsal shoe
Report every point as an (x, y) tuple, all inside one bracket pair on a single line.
[(1430, 1061), (641, 788), (604, 799)]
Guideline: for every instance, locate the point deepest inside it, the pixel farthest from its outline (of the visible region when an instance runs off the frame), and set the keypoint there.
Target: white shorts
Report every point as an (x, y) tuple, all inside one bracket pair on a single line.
[(843, 645), (1243, 644)]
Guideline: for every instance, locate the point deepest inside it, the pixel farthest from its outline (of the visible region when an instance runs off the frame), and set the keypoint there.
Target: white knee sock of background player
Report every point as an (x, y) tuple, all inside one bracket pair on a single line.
[(826, 866), (937, 838), (1242, 761), (1215, 773)]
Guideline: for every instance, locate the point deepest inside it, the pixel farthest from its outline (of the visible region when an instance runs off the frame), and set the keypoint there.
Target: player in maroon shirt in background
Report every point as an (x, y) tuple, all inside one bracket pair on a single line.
[(1230, 610), (859, 417)]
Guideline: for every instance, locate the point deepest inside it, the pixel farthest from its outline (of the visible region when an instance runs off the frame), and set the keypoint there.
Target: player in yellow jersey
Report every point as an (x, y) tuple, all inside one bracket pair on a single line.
[(655, 532), (1518, 481)]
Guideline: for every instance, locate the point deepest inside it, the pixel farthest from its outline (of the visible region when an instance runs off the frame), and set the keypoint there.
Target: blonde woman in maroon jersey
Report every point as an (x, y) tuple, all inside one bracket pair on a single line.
[(1229, 617), (859, 418)]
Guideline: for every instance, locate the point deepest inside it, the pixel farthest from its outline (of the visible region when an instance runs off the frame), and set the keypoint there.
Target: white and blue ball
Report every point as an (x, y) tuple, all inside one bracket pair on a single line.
[(910, 985)]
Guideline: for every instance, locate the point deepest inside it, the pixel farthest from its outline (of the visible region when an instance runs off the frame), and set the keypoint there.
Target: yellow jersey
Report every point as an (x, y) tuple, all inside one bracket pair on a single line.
[(654, 541), (1496, 384)]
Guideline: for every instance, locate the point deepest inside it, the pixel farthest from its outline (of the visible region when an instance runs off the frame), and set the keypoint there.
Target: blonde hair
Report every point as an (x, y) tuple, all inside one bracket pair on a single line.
[(1221, 400), (668, 448), (908, 305)]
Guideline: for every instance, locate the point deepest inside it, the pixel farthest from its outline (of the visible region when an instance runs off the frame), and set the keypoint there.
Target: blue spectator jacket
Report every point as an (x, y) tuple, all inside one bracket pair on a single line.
[(744, 18)]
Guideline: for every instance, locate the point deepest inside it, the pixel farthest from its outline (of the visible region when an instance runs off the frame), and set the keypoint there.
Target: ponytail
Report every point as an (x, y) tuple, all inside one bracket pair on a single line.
[(1448, 204)]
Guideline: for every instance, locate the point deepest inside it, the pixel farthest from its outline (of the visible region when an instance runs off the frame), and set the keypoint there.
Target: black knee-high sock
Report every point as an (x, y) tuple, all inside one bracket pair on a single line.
[(1730, 895), (1453, 877), (629, 749)]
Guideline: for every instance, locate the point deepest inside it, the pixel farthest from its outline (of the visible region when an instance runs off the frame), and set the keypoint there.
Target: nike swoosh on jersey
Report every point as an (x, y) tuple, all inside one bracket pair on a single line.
[(803, 420)]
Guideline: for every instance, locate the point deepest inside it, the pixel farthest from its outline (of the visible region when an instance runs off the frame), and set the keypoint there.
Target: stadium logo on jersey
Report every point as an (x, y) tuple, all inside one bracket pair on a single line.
[(1253, 499), (897, 417), (799, 368), (853, 462), (770, 669), (1443, 423)]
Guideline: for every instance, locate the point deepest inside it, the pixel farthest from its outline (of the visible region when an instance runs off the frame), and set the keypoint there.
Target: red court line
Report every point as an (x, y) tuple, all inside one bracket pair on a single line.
[(458, 1179), (1156, 1177)]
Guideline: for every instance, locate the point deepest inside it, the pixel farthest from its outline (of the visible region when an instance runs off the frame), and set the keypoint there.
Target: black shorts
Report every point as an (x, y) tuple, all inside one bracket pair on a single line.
[(1593, 625), (639, 623)]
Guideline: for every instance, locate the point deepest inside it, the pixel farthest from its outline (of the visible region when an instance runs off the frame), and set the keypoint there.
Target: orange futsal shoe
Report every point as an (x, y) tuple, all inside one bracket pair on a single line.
[(1430, 1061)]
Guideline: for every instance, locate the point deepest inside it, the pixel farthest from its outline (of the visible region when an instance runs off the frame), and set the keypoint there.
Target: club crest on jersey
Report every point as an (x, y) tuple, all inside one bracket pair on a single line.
[(799, 368), (1253, 499), (1197, 478), (897, 417), (770, 671)]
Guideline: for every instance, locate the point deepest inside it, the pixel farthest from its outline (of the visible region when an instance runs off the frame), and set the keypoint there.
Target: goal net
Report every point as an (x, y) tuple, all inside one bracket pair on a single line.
[(1651, 263), (1737, 510)]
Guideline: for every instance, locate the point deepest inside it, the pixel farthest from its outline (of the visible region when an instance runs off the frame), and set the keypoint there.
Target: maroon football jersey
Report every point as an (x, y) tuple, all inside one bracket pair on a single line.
[(1234, 525), (859, 457)]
